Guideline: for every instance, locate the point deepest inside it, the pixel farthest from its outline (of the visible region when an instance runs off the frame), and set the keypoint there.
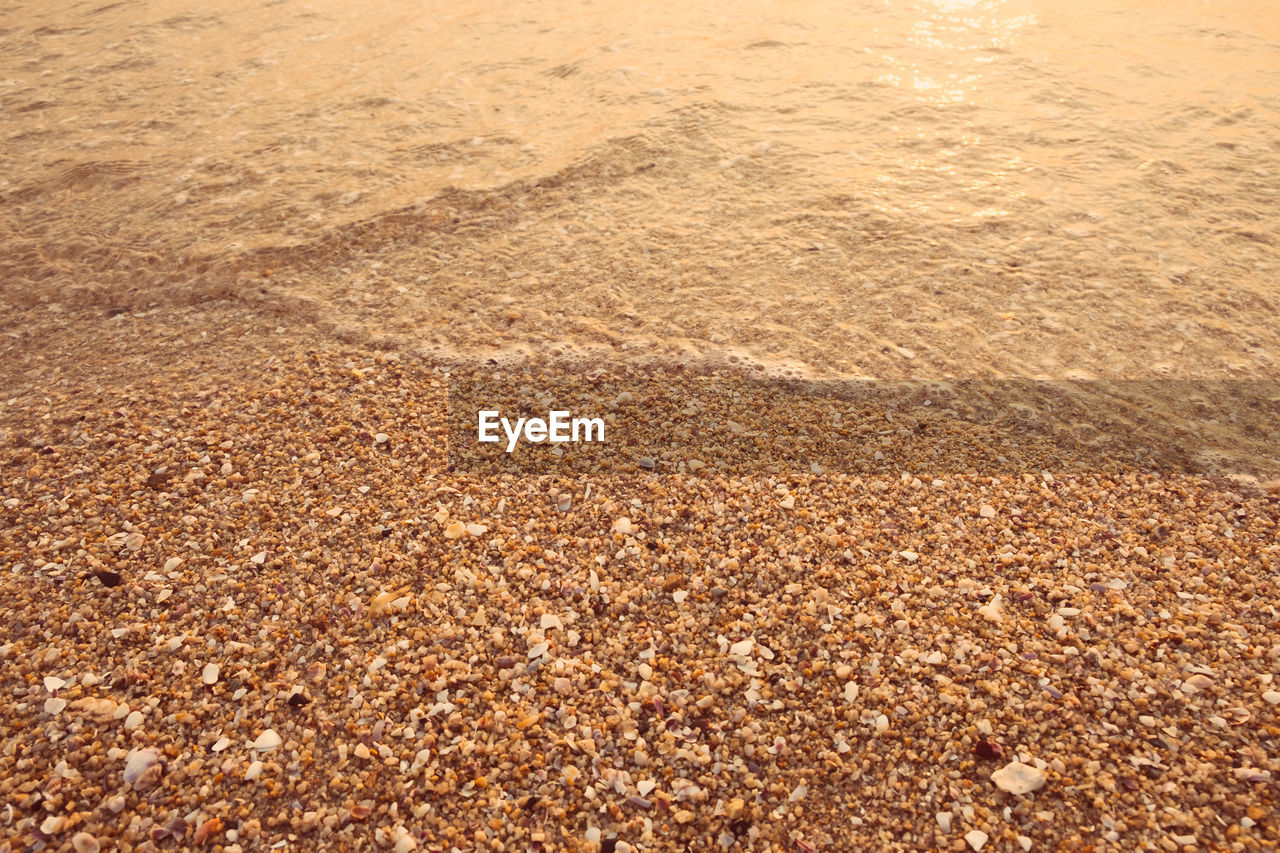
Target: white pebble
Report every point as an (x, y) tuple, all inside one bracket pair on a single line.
[(254, 771), (1018, 778), (976, 838), (267, 741), (991, 610), (84, 842), (210, 673), (133, 720)]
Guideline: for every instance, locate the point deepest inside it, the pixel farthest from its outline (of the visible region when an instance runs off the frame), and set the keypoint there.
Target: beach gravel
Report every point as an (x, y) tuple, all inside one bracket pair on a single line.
[(267, 613)]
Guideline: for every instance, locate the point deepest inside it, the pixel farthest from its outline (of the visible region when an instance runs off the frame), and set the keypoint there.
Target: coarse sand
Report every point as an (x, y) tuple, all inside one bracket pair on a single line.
[(250, 605)]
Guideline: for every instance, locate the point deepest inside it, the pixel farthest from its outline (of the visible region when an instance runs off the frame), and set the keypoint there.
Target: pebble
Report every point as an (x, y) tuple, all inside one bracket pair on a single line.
[(1018, 778), (991, 611), (209, 675), (976, 838), (267, 741), (84, 842)]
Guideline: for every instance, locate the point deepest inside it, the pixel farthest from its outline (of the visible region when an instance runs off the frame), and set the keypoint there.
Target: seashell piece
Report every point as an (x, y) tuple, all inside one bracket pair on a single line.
[(1018, 778), (267, 741), (137, 764)]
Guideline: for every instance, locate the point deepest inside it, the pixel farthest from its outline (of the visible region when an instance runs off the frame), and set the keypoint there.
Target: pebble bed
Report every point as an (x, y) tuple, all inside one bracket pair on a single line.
[(249, 607)]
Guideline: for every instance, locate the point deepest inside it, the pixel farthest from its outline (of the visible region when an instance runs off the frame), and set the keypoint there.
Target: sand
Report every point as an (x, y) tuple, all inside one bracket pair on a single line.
[(249, 604)]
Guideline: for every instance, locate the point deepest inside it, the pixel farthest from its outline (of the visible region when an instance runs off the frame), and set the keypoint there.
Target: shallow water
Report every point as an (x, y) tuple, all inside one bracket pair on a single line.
[(882, 189)]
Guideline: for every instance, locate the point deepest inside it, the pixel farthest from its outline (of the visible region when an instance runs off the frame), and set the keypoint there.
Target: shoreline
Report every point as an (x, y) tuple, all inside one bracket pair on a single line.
[(1110, 631)]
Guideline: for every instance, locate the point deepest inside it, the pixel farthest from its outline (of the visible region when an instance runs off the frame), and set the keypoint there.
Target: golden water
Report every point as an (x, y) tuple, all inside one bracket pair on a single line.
[(929, 188)]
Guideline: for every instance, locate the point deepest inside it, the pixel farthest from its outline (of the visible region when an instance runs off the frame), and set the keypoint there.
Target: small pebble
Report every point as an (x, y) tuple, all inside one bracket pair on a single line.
[(84, 842)]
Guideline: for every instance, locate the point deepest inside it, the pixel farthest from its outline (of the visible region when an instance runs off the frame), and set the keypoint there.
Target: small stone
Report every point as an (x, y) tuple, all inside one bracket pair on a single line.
[(734, 809), (52, 825), (684, 816), (84, 842), (382, 438), (622, 525), (52, 683), (254, 771), (1018, 778), (133, 720), (223, 743), (987, 511), (210, 673), (454, 530), (1271, 697), (267, 741), (909, 556), (54, 705), (976, 838), (944, 820), (405, 843), (991, 610), (851, 692), (645, 786), (563, 686)]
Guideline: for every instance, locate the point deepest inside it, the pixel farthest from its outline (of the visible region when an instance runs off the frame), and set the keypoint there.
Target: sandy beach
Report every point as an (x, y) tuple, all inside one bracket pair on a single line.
[(934, 349), (248, 604)]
